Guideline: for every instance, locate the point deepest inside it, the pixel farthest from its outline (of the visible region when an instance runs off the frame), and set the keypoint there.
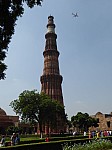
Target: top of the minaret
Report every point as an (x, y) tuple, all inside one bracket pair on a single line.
[(50, 19), (50, 25)]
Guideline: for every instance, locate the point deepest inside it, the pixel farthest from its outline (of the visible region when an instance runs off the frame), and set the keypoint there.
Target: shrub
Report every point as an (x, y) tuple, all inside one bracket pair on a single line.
[(99, 144)]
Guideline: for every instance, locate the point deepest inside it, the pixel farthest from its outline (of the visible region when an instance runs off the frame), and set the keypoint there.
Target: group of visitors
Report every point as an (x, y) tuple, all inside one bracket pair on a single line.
[(15, 139), (97, 134)]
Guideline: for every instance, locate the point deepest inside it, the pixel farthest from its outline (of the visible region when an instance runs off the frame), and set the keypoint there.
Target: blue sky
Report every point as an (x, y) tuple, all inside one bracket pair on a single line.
[(85, 61)]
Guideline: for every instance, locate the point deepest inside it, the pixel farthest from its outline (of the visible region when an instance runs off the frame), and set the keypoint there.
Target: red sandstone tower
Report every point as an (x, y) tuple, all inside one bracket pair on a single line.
[(51, 79)]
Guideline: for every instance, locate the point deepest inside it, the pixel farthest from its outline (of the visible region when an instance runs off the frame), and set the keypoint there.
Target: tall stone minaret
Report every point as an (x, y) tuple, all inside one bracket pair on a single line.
[(51, 79)]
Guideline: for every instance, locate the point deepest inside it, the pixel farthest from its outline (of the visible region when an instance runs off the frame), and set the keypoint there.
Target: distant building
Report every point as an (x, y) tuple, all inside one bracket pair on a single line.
[(105, 121), (6, 121)]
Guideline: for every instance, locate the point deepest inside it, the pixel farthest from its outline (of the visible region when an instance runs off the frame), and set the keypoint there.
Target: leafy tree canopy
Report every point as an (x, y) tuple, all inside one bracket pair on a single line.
[(10, 10), (34, 107), (11, 129), (83, 121)]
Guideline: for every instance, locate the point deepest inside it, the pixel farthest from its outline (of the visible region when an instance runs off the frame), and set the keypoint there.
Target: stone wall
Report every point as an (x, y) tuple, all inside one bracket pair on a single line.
[(105, 121)]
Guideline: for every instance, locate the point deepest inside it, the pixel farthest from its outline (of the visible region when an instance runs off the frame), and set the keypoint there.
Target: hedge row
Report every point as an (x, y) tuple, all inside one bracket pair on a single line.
[(50, 139), (52, 145)]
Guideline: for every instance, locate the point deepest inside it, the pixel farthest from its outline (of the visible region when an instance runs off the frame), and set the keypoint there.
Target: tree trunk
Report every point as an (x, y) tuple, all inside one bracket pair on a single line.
[(40, 127)]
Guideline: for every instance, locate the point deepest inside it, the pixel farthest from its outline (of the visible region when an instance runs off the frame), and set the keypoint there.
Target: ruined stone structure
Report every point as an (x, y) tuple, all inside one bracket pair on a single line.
[(6, 121), (51, 79), (105, 121)]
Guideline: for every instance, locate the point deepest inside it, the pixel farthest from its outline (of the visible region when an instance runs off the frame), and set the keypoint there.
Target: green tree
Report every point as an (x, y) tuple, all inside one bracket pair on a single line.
[(10, 11), (69, 125), (33, 107), (51, 111), (83, 121), (12, 129)]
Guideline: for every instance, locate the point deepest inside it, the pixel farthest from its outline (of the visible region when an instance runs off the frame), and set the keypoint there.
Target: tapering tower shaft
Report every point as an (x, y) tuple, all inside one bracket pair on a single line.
[(51, 79)]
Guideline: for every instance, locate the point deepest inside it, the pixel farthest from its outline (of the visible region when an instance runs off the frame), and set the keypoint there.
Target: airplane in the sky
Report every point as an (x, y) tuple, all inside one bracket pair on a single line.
[(75, 14)]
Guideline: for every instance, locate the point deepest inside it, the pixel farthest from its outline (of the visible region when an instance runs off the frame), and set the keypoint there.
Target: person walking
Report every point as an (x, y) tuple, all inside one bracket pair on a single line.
[(2, 141), (13, 139), (17, 139), (84, 133)]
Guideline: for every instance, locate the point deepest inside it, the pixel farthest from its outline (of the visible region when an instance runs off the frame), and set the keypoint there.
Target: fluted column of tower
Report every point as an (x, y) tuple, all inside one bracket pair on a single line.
[(51, 79)]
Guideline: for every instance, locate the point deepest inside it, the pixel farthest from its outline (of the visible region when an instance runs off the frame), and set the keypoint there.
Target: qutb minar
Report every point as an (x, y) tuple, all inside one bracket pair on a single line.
[(51, 79)]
